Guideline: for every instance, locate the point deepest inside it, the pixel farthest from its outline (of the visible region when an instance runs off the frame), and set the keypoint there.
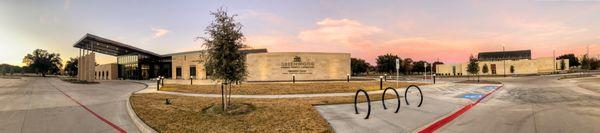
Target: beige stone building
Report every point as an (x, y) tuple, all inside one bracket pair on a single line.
[(265, 66), (106, 72), (501, 63), (281, 66), (136, 63)]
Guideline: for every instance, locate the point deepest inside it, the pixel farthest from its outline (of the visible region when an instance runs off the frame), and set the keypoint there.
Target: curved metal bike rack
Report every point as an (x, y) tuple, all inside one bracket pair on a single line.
[(368, 102), (406, 92), (397, 96)]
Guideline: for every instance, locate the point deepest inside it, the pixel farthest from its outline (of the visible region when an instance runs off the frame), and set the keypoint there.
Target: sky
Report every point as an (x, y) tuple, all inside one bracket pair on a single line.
[(448, 31)]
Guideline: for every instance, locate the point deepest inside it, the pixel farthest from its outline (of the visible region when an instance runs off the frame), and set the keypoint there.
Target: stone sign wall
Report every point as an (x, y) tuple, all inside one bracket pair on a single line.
[(86, 67), (281, 66)]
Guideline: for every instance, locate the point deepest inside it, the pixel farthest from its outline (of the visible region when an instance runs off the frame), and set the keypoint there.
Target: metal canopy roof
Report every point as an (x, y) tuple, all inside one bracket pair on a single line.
[(114, 48), (109, 47)]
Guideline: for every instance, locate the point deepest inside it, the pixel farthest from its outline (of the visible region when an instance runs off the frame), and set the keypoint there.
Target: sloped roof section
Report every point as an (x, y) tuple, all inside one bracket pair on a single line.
[(109, 47)]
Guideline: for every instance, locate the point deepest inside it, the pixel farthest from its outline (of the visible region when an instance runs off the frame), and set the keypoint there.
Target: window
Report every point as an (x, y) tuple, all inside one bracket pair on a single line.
[(178, 72), (193, 71), (493, 66)]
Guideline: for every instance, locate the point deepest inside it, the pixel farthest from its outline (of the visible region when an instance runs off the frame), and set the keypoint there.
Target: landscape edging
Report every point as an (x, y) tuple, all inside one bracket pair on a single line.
[(139, 123)]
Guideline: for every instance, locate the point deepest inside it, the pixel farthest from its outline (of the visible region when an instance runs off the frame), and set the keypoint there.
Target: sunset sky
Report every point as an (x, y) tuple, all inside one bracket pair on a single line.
[(421, 30)]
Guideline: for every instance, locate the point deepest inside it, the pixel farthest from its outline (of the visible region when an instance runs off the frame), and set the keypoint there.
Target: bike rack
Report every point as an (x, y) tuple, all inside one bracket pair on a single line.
[(406, 92), (397, 96), (368, 102)]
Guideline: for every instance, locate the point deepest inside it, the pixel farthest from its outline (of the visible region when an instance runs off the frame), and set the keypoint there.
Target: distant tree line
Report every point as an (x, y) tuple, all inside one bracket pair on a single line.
[(387, 64), (586, 62)]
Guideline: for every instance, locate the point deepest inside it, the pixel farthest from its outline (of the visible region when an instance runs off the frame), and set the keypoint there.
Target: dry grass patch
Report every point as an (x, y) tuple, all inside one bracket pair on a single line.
[(284, 88), (185, 114)]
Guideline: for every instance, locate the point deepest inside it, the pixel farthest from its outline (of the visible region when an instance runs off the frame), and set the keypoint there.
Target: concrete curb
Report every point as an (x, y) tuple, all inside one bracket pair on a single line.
[(139, 123)]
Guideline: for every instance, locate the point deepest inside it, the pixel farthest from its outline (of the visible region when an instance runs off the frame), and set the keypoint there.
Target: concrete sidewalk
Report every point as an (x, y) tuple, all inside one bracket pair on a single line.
[(410, 118), (152, 89), (438, 102)]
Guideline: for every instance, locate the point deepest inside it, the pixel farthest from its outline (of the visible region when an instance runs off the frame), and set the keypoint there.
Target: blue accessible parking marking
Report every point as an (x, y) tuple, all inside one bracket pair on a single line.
[(472, 96), (489, 88)]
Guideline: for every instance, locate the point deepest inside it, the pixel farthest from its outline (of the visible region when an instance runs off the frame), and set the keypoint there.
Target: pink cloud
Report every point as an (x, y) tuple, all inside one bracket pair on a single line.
[(340, 31), (366, 41)]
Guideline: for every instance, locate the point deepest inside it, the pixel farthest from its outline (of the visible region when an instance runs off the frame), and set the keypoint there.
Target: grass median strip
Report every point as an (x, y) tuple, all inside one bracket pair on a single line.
[(284, 88), (185, 114)]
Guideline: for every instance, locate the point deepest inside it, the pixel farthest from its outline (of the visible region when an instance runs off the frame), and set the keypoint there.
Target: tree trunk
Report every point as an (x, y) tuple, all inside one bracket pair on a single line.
[(223, 105), (229, 95)]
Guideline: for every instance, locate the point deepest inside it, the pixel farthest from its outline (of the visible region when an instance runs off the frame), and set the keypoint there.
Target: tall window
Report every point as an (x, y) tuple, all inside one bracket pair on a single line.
[(193, 71), (493, 66), (178, 72)]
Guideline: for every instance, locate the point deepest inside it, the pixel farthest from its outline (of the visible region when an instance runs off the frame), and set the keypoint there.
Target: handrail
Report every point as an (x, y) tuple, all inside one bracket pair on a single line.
[(397, 96), (406, 92), (368, 102)]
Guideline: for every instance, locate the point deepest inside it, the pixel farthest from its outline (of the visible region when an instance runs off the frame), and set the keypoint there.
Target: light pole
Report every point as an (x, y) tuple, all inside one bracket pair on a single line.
[(504, 60), (397, 72), (425, 73), (554, 55)]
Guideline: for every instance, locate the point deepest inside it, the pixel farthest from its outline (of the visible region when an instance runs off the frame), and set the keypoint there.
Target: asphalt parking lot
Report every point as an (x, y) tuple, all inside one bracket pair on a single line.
[(50, 105)]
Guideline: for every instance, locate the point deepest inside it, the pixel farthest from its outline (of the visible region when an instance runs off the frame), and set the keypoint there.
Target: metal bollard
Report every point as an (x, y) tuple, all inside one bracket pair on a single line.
[(162, 81), (380, 83), (348, 77), (191, 80), (157, 84), (385, 77), (293, 78)]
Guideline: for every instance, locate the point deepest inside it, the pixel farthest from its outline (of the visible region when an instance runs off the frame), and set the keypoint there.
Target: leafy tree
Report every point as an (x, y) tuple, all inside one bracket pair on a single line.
[(419, 66), (358, 66), (594, 64), (435, 64), (223, 45), (485, 68), (5, 68), (473, 66), (573, 61), (43, 62), (585, 62), (512, 69), (71, 66), (406, 66), (387, 63)]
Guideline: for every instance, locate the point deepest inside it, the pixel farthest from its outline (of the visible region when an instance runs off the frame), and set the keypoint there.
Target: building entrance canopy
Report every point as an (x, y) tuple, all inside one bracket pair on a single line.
[(109, 47)]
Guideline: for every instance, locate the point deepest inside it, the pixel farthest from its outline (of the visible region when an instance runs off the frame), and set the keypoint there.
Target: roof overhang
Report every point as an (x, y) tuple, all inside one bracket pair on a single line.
[(109, 47)]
